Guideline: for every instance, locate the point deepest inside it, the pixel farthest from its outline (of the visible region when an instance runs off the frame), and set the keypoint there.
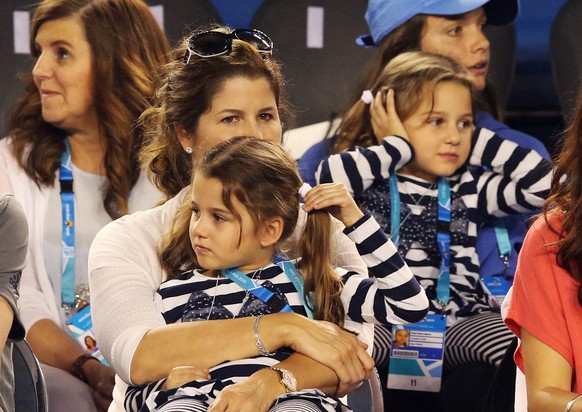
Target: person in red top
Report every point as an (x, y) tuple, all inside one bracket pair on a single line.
[(545, 310)]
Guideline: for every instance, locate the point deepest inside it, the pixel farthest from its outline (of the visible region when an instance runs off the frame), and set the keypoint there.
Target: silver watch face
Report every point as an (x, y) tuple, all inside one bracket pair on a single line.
[(288, 380)]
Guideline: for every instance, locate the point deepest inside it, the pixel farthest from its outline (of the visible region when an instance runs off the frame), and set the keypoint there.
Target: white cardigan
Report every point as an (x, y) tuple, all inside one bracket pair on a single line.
[(38, 300)]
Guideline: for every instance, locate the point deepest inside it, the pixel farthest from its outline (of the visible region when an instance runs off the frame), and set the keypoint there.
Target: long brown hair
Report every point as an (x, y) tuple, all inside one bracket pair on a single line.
[(268, 188), (565, 200), (411, 75), (185, 93), (127, 46)]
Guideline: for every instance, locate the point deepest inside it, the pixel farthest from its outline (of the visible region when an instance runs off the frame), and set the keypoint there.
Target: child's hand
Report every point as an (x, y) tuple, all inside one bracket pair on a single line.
[(385, 120), (180, 375), (336, 198)]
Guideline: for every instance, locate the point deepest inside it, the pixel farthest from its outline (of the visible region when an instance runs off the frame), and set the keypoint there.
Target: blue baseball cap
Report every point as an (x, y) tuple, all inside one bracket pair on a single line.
[(383, 16)]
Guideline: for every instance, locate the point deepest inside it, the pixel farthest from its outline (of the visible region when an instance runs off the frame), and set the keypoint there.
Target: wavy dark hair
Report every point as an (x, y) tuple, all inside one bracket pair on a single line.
[(127, 47), (268, 188), (411, 75), (565, 199), (185, 93)]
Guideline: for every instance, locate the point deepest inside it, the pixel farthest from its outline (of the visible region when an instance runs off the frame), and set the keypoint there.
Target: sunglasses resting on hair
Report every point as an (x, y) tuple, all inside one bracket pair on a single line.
[(214, 43)]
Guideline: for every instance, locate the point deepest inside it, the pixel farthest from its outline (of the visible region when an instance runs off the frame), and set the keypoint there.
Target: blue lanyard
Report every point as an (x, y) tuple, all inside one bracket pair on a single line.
[(443, 232), (444, 242), (394, 210), (503, 242), (297, 280), (68, 228), (252, 286)]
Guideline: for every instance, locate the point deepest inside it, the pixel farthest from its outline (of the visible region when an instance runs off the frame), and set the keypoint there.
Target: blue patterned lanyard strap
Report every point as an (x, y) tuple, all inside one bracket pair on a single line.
[(68, 228), (444, 242), (297, 280), (394, 210), (503, 242), (443, 233), (252, 286)]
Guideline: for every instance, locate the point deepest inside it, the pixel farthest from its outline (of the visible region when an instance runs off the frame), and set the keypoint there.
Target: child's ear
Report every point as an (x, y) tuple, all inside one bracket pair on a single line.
[(271, 231)]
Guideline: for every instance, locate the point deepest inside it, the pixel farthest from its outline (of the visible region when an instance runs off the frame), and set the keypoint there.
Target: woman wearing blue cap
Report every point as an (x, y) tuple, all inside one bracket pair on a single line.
[(453, 28)]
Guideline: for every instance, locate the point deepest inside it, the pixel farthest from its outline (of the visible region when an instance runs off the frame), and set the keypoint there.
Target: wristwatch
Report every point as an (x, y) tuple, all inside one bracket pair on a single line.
[(287, 379), (77, 367)]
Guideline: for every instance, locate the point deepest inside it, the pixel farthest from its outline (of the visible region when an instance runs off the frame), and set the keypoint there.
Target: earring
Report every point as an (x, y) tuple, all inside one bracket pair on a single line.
[(188, 150)]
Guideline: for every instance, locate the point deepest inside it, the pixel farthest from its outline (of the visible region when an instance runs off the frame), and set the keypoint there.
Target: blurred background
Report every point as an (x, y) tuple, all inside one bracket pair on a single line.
[(534, 64)]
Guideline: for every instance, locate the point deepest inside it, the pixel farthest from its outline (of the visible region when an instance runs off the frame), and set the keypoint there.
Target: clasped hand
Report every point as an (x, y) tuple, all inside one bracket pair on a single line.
[(384, 118), (324, 342), (102, 379), (336, 199)]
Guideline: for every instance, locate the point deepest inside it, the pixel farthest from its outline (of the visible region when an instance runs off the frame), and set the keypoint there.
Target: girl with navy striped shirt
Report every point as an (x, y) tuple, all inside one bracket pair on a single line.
[(430, 181), (244, 205)]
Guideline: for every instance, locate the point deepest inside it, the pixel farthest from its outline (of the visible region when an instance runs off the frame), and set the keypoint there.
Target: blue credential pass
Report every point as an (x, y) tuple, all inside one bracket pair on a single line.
[(81, 325), (497, 287), (416, 356)]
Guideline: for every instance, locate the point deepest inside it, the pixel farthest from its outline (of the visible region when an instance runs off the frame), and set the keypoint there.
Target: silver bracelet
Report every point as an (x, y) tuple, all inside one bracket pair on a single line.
[(262, 350), (571, 403)]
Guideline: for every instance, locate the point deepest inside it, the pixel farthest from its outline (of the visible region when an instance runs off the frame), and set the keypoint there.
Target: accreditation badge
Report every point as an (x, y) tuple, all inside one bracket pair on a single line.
[(497, 287), (81, 325), (416, 355)]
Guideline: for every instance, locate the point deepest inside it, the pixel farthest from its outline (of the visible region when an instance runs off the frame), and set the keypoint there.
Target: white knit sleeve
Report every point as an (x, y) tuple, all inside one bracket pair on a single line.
[(124, 274)]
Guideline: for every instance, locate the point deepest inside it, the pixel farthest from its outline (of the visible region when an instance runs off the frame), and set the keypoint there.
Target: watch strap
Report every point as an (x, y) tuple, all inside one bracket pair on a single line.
[(77, 367)]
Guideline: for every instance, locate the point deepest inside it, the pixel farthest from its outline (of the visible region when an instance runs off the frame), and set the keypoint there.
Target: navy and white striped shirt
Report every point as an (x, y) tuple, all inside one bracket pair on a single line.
[(393, 297), (500, 178)]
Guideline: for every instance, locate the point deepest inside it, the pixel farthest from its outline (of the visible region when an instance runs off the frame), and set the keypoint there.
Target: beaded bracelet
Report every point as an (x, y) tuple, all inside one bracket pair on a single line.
[(571, 403), (262, 350), (77, 367)]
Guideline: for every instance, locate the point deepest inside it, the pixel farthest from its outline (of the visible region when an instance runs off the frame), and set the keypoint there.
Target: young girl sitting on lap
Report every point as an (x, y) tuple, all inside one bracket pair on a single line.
[(244, 204), (430, 181)]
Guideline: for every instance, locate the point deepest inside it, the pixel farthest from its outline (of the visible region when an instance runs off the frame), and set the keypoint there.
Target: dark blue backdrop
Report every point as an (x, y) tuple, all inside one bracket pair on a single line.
[(320, 80)]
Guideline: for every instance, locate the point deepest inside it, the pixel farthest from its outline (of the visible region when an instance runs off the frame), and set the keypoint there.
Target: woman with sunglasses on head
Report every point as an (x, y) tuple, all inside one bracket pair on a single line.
[(70, 158), (237, 223), (545, 310), (221, 84)]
